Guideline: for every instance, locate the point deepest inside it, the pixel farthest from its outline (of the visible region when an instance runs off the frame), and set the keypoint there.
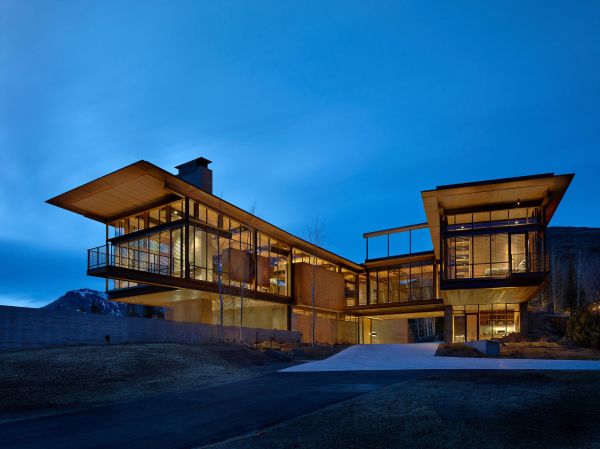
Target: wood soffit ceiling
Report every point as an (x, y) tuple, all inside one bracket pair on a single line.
[(548, 188), (142, 185)]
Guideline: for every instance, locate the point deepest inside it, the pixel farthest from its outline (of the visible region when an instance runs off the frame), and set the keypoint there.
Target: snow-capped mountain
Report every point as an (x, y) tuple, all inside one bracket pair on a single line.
[(93, 301)]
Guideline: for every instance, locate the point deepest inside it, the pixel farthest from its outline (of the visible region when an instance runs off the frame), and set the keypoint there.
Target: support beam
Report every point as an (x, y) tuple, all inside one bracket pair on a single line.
[(524, 319), (448, 324)]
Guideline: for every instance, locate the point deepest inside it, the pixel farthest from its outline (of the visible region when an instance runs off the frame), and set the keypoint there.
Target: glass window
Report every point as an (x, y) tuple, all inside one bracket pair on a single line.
[(481, 219), (517, 216), (427, 282), (485, 322), (362, 289), (404, 282), (373, 287), (459, 328), (394, 282), (499, 255), (458, 253), (499, 320), (481, 256), (382, 287), (464, 221), (416, 290), (518, 254), (349, 287)]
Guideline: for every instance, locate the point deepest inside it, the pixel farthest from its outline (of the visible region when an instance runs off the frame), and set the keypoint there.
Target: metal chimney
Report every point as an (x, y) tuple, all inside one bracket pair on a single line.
[(196, 172)]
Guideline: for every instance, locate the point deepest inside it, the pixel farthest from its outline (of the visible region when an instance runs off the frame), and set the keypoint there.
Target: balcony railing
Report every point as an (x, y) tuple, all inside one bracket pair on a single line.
[(530, 264), (133, 259), (142, 260)]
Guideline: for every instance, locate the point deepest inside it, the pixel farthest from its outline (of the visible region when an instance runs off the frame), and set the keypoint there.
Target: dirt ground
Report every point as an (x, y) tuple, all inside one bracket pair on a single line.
[(547, 350), (524, 350), (41, 381), (490, 410)]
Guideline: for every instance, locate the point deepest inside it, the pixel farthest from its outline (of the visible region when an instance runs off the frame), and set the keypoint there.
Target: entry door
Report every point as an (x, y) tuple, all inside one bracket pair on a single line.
[(472, 333)]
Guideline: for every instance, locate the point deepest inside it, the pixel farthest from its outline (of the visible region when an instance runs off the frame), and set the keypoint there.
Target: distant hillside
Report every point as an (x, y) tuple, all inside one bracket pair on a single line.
[(574, 268), (92, 301), (565, 239)]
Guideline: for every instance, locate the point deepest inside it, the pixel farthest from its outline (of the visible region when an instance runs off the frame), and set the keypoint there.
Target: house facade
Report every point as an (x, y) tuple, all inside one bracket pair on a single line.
[(170, 242)]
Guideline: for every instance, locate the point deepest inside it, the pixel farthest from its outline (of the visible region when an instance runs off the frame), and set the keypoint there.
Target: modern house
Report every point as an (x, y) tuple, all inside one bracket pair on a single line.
[(170, 242)]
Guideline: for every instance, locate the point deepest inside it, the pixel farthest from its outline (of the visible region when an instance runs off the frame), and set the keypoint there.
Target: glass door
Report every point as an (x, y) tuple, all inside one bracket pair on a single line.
[(472, 333)]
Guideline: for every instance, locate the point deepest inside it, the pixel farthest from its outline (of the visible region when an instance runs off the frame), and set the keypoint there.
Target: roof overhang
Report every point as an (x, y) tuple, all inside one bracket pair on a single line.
[(410, 309), (546, 189), (143, 185), (461, 297), (400, 259)]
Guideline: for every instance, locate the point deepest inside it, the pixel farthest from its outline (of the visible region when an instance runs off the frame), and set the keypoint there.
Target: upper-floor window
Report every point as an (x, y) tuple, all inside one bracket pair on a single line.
[(493, 255), (406, 282), (493, 219)]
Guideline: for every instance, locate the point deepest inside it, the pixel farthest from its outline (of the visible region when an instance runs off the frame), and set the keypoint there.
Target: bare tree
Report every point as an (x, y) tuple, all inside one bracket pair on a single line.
[(593, 276), (555, 280), (248, 255), (220, 274), (315, 235)]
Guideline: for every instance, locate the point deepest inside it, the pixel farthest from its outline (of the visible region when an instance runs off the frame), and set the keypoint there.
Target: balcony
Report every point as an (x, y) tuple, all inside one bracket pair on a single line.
[(529, 274), (497, 270), (109, 256), (142, 267)]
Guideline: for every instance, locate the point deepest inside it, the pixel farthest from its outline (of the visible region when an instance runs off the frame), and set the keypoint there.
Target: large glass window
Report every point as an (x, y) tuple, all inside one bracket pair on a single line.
[(485, 321), (492, 255), (518, 253), (497, 218), (362, 289), (349, 287), (272, 265), (220, 248), (406, 282), (373, 287), (481, 256)]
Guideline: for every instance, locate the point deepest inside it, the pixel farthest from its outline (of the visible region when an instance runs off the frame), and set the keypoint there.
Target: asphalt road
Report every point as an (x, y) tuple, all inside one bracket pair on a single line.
[(196, 418)]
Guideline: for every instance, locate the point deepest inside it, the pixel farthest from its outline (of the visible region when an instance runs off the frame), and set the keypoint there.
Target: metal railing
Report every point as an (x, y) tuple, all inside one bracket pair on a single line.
[(134, 259), (148, 262), (519, 265)]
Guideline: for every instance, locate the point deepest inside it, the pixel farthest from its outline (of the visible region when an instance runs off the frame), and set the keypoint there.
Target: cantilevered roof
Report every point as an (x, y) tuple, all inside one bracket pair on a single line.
[(143, 185), (544, 189)]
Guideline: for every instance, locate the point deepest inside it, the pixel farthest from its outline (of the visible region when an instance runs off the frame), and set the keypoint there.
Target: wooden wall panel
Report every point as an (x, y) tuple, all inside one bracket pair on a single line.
[(329, 287)]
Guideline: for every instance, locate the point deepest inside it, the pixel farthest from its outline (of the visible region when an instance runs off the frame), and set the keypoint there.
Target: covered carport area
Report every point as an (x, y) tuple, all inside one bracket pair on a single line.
[(400, 323)]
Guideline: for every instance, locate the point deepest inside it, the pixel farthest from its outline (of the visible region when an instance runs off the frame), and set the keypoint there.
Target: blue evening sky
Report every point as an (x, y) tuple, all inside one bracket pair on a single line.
[(343, 110)]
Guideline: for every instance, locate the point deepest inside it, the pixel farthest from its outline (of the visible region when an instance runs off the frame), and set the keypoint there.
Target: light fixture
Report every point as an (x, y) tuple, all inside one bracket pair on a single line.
[(518, 202)]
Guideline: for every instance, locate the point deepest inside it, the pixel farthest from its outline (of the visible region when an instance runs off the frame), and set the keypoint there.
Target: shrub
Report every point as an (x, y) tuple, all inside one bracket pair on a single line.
[(584, 329)]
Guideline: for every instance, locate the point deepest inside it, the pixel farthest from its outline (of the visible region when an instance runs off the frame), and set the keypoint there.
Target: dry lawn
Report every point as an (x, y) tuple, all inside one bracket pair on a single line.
[(524, 350), (491, 410), (41, 381)]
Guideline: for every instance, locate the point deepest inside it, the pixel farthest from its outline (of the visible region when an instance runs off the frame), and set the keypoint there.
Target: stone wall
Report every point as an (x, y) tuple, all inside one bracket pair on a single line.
[(22, 327)]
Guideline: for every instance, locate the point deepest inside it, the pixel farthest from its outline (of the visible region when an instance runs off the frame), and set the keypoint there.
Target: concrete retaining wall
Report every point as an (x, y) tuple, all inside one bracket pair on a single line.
[(22, 327)]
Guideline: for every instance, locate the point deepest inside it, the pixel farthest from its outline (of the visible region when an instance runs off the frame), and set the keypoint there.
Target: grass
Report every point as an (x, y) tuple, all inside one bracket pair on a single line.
[(500, 409), (524, 350), (42, 381)]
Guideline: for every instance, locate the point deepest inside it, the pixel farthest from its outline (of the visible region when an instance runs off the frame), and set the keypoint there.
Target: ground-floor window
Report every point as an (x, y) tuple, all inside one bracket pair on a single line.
[(484, 321)]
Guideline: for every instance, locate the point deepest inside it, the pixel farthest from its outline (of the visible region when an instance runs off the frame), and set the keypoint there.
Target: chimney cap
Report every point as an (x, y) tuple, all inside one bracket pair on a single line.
[(198, 162)]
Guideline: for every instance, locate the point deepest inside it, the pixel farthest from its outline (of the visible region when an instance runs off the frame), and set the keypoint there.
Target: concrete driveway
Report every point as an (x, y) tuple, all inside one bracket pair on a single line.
[(421, 356)]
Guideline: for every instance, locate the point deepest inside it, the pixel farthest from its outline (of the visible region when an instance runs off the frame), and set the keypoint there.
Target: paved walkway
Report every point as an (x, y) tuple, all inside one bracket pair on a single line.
[(421, 356), (195, 418)]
